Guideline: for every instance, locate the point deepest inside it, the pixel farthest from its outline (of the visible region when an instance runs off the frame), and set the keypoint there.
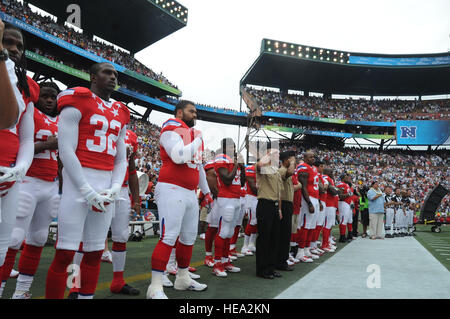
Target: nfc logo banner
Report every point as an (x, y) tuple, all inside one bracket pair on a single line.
[(408, 131)]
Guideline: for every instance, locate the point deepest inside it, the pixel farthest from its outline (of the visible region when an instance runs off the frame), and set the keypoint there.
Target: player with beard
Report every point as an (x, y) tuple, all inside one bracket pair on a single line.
[(181, 148), (38, 194), (16, 143), (91, 144)]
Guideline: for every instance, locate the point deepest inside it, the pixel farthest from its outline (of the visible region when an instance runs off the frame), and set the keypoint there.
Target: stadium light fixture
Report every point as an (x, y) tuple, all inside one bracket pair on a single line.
[(307, 55), (300, 55), (284, 52), (307, 49)]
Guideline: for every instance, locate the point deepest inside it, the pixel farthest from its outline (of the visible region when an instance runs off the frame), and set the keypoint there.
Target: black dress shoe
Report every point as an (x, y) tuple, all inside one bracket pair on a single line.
[(286, 268), (128, 290), (276, 274), (266, 276)]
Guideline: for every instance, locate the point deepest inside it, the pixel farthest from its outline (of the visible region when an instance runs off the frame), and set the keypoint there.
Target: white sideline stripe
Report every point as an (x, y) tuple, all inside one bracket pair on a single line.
[(444, 254), (398, 260), (443, 249)]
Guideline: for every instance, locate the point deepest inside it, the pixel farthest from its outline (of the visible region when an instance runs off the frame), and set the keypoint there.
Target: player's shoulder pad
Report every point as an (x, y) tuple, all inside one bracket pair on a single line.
[(125, 111), (73, 97), (34, 90), (222, 158), (175, 125), (250, 170)]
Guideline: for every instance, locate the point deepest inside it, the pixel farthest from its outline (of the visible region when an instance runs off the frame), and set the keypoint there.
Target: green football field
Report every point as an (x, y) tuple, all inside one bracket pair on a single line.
[(243, 285), (138, 274), (438, 244)]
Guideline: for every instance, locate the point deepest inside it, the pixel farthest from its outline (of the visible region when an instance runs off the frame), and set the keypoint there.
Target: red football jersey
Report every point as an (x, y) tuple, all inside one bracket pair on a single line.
[(297, 196), (331, 201), (45, 164), (132, 143), (184, 175), (322, 197), (209, 165), (244, 191), (227, 191), (313, 178), (347, 190), (250, 172), (99, 128), (9, 139)]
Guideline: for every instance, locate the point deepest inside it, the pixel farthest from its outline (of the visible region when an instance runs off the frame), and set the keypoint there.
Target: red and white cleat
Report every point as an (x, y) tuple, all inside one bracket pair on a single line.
[(209, 261), (231, 268), (219, 270)]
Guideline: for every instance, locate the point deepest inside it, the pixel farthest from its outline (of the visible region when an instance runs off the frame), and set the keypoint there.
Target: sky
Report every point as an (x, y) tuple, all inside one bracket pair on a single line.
[(207, 58)]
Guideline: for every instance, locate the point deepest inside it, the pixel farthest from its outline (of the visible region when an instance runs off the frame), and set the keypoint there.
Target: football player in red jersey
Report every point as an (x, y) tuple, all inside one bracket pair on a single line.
[(121, 219), (38, 194), (17, 143), (231, 176), (91, 144), (330, 210), (321, 213), (233, 253), (344, 206), (251, 231), (181, 148), (308, 176), (120, 223), (212, 218), (11, 105)]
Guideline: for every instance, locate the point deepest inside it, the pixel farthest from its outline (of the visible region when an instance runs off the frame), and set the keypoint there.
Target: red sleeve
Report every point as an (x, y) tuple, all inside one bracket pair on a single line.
[(125, 112), (73, 97), (34, 90), (250, 171)]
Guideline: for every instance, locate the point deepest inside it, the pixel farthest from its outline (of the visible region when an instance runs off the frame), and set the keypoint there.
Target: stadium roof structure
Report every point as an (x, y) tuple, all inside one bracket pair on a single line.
[(131, 24), (298, 67)]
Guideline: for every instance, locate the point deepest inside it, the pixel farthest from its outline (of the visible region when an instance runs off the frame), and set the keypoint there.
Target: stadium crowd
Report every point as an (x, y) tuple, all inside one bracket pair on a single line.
[(109, 52), (351, 109), (407, 170)]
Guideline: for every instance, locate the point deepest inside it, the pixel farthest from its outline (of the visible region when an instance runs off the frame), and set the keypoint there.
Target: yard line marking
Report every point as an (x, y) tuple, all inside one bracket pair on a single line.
[(443, 249), (444, 254)]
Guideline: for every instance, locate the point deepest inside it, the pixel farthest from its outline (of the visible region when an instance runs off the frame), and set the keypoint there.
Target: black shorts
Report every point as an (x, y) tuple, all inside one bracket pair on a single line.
[(365, 217)]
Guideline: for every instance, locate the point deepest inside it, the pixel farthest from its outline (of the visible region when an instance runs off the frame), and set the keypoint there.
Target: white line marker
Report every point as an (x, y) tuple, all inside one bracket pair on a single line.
[(443, 249), (444, 254)]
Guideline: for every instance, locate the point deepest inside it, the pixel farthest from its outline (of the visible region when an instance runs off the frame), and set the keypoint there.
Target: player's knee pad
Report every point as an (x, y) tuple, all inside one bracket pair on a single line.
[(38, 238), (24, 205), (121, 236), (17, 238), (228, 214), (188, 237)]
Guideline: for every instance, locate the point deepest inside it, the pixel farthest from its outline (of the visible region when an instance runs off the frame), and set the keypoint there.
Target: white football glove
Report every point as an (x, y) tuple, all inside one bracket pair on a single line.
[(97, 201), (11, 174), (112, 193)]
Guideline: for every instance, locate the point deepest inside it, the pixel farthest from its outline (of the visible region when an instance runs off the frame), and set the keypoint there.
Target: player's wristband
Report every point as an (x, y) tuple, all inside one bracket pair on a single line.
[(133, 173)]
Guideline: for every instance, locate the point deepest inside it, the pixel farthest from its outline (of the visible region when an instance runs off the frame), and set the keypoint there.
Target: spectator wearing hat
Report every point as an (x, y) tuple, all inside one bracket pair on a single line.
[(376, 211)]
